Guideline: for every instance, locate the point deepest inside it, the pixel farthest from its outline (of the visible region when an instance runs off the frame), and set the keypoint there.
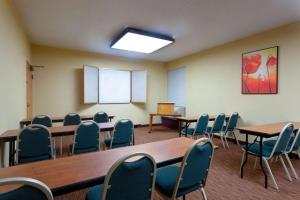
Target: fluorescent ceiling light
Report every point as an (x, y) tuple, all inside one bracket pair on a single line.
[(132, 39)]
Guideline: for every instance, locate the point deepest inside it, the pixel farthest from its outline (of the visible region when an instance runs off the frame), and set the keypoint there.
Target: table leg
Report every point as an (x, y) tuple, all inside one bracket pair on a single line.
[(246, 157), (11, 153), (261, 161), (180, 127), (150, 123)]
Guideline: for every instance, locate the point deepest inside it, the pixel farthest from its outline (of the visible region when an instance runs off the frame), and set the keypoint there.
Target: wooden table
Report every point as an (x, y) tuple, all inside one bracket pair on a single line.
[(10, 136), (26, 122), (151, 115), (189, 119), (262, 131), (72, 173)]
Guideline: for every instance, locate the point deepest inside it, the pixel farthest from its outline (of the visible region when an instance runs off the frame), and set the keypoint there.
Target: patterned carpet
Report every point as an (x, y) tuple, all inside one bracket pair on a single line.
[(223, 181)]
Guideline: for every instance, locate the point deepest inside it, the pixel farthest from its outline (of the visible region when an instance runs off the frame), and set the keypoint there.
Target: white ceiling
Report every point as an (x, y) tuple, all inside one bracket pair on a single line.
[(90, 25)]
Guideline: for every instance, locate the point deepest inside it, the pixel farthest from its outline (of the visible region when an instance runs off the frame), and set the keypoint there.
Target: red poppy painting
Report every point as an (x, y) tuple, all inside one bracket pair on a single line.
[(260, 71)]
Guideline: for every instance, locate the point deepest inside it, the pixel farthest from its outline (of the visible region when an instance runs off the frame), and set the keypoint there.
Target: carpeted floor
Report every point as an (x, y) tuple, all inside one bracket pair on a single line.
[(224, 180)]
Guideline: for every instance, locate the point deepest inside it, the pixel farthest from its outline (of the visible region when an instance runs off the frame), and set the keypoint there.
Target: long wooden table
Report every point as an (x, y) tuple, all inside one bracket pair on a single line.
[(27, 121), (10, 136), (72, 173), (190, 119), (261, 132)]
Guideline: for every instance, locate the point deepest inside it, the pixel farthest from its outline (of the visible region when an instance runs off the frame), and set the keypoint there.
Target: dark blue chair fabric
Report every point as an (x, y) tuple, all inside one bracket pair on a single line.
[(232, 122), (72, 119), (129, 181), (284, 140), (23, 193), (86, 138), (194, 174), (200, 128), (218, 124), (101, 117), (122, 135), (255, 149), (42, 120), (34, 144)]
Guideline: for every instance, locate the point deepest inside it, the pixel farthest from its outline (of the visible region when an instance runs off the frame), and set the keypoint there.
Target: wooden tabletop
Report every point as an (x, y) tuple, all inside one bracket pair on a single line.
[(195, 118), (156, 114), (55, 131), (72, 173), (266, 130)]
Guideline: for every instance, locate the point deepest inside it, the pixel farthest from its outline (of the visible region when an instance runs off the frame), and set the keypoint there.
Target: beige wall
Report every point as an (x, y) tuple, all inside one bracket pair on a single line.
[(58, 87), (15, 50), (214, 79)]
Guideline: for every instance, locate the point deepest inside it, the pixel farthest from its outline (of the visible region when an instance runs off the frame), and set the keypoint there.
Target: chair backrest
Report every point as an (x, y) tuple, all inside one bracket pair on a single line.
[(86, 138), (283, 140), (34, 143), (201, 124), (101, 117), (231, 125), (72, 119), (295, 143), (42, 120), (132, 180), (34, 189), (122, 134), (195, 166), (218, 123)]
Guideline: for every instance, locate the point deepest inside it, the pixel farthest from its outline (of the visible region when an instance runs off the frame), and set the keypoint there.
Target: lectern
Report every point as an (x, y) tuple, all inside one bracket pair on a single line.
[(163, 109)]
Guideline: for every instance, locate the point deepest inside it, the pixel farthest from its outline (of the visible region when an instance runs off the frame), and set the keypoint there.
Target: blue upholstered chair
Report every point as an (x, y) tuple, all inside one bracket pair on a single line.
[(34, 143), (200, 128), (122, 135), (269, 152), (229, 129), (217, 127), (176, 181), (30, 189), (42, 120), (87, 138), (101, 117), (293, 145), (127, 180), (72, 119)]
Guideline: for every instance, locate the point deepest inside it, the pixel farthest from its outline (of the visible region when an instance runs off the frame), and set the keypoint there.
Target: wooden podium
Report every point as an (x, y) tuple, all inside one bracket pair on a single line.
[(163, 109)]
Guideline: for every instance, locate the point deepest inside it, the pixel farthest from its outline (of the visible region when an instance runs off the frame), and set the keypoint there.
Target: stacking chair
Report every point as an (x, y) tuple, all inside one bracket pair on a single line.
[(101, 117), (30, 189), (268, 152), (217, 128), (127, 180), (230, 128), (294, 144), (200, 128), (42, 120), (86, 138), (34, 143), (122, 135), (176, 181)]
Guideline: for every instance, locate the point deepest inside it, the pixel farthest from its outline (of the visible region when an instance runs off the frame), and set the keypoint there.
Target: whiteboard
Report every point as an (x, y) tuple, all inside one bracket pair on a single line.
[(176, 86), (138, 86), (90, 84), (114, 86)]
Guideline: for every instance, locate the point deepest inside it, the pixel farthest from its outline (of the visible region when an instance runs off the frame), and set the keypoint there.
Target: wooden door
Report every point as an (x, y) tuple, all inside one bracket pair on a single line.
[(29, 78)]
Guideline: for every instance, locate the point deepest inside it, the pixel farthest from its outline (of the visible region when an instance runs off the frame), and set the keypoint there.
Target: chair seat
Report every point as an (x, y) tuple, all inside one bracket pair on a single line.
[(255, 149), (166, 178), (271, 143), (83, 150), (34, 158), (107, 142), (188, 131), (95, 193)]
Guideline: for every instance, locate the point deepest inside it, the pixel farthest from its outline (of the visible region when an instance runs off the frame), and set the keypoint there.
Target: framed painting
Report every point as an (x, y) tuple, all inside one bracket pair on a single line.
[(260, 71)]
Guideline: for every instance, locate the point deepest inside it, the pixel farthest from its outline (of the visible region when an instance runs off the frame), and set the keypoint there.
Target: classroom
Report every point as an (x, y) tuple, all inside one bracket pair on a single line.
[(149, 100)]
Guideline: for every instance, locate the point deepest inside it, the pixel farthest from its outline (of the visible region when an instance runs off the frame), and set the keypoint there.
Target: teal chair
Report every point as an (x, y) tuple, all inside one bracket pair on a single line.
[(229, 129), (101, 117), (268, 152), (42, 120), (177, 181), (293, 145), (30, 189), (127, 180), (200, 128), (217, 127), (34, 143), (86, 139), (122, 136), (72, 119)]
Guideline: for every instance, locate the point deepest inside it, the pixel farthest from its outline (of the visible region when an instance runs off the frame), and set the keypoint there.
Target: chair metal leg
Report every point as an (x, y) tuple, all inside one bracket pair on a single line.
[(291, 166), (203, 193), (183, 197), (298, 152), (222, 139), (243, 159), (271, 174), (255, 162), (226, 141), (237, 141), (285, 168)]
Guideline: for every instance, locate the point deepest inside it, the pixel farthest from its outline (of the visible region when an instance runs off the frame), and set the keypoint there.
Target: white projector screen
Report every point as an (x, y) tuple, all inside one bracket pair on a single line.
[(90, 84), (138, 86), (114, 86)]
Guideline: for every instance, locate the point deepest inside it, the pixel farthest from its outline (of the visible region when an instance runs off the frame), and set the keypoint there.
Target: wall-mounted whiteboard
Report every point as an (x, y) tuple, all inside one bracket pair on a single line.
[(138, 86), (90, 84), (114, 86), (176, 86)]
